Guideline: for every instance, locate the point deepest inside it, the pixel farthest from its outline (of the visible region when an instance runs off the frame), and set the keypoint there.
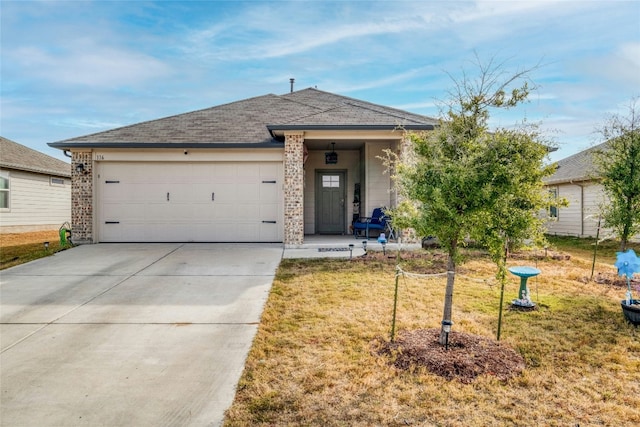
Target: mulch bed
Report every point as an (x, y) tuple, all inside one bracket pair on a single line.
[(468, 356), (540, 255), (442, 256), (612, 279)]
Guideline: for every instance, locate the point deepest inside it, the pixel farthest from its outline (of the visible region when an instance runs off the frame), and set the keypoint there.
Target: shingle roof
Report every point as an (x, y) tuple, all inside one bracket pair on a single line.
[(248, 122), (575, 168), (19, 157), (342, 110)]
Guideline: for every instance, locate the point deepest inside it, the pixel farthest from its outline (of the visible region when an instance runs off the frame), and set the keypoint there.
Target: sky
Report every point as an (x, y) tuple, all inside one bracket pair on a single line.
[(72, 68)]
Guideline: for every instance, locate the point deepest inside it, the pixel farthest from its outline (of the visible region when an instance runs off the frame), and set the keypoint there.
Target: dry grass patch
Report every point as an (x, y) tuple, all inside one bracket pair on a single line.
[(314, 359), (18, 248)]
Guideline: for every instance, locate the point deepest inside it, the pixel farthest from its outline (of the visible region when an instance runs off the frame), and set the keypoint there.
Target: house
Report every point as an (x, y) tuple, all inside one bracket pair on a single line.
[(35, 189), (273, 168), (576, 181)]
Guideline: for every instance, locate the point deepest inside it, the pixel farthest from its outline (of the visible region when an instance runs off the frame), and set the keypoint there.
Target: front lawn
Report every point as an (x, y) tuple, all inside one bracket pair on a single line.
[(19, 248), (314, 360)]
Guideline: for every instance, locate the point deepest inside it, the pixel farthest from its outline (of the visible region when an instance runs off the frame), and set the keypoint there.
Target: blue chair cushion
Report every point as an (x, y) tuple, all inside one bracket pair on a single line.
[(377, 221)]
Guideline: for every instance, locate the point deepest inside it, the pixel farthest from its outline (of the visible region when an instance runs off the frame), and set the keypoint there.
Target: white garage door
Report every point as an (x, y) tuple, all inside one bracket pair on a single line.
[(190, 202)]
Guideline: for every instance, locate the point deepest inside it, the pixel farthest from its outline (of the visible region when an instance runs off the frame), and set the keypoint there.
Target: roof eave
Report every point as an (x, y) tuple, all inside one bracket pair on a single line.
[(41, 171), (62, 145), (575, 180), (278, 130)]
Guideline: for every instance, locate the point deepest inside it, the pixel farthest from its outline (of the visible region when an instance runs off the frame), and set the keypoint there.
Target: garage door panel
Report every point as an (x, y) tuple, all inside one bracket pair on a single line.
[(208, 202), (249, 192), (268, 232), (247, 232), (124, 212), (246, 212), (170, 213), (269, 212), (204, 212), (236, 231), (202, 192), (268, 193), (225, 192)]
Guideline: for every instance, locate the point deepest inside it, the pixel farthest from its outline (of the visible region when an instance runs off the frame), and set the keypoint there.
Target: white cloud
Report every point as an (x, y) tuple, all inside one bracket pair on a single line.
[(89, 65), (360, 85), (272, 35), (79, 123), (415, 106)]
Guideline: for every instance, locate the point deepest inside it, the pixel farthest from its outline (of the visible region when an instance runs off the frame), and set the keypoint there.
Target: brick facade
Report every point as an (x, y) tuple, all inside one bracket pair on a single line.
[(82, 198), (406, 154), (293, 188)]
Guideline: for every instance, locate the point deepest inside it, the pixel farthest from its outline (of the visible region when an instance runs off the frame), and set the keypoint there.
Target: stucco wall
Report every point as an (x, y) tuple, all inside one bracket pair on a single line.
[(35, 203)]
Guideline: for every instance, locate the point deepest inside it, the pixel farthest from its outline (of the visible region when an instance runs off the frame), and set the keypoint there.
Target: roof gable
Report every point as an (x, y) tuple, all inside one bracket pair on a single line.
[(248, 122), (19, 157), (575, 168)]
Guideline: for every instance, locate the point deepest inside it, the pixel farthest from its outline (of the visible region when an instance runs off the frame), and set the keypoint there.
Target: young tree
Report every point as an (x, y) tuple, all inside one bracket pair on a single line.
[(619, 168), (462, 180), (514, 168)]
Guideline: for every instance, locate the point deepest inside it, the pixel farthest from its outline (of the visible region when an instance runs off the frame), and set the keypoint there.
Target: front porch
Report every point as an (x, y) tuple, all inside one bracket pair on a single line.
[(343, 178)]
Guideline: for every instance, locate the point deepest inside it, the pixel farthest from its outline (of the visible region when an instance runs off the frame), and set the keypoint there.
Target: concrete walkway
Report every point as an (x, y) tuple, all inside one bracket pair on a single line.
[(130, 334), (318, 246)]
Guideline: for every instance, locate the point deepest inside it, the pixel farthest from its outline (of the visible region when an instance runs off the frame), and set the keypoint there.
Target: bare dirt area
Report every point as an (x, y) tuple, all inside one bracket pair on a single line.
[(467, 357), (16, 239), (612, 279)]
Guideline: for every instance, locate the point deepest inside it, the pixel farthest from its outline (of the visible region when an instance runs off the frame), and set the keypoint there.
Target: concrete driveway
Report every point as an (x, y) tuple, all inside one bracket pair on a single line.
[(130, 334)]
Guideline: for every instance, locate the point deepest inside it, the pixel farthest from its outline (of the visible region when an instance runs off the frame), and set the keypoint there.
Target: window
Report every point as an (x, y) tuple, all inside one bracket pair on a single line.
[(331, 181), (4, 191), (58, 182), (553, 206)]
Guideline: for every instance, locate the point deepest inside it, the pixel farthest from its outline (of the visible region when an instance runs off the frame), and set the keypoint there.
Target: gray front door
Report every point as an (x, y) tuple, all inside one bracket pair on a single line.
[(330, 202)]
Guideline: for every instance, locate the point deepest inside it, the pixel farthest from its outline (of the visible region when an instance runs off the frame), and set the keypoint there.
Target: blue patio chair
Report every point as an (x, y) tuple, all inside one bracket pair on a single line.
[(377, 221)]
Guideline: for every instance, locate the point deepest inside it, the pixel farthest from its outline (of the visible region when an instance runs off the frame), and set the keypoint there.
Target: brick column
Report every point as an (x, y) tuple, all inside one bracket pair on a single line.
[(293, 188), (82, 198), (406, 154)]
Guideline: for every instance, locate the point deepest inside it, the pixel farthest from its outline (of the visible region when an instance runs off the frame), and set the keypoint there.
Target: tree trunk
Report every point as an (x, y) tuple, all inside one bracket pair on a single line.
[(448, 296), (626, 229), (623, 244)]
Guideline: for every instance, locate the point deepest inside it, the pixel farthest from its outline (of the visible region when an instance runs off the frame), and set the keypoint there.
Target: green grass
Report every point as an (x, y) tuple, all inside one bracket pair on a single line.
[(11, 256), (312, 361), (584, 247)]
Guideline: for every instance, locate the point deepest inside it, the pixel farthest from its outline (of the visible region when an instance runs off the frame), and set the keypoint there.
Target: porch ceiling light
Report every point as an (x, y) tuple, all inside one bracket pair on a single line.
[(332, 157)]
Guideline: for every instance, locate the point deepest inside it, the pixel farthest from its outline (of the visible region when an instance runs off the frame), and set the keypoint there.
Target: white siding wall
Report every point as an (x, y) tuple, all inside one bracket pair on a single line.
[(35, 204), (393, 195), (569, 218), (347, 160), (580, 218), (593, 198), (377, 181)]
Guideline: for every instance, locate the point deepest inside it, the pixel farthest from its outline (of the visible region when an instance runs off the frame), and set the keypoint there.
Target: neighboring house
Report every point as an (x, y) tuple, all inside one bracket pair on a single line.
[(576, 181), (273, 168), (35, 189)]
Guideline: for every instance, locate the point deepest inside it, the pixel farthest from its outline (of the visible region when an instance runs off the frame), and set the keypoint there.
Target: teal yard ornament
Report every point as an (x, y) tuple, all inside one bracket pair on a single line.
[(628, 264)]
